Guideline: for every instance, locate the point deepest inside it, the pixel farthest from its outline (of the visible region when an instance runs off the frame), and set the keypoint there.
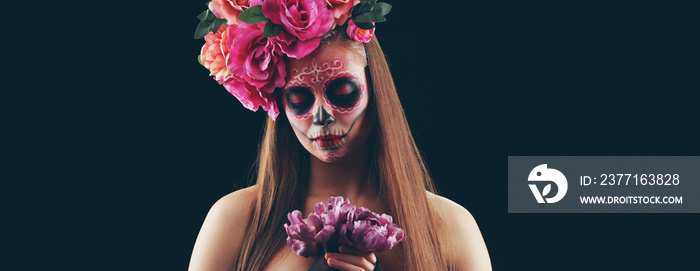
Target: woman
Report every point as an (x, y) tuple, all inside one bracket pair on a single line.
[(343, 133)]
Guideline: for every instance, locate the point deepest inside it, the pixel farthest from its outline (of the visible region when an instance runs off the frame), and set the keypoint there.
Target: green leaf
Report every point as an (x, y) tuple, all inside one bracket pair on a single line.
[(369, 11), (217, 24), (208, 23), (203, 26), (364, 25), (369, 17), (363, 7), (382, 8), (203, 15), (207, 26), (271, 30), (377, 17), (199, 59), (252, 15)]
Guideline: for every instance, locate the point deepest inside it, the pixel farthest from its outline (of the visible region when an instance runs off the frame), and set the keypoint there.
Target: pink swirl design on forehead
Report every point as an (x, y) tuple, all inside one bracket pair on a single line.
[(317, 74)]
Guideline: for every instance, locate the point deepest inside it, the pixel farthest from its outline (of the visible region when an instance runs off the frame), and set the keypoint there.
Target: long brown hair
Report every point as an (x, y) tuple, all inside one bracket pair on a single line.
[(396, 166)]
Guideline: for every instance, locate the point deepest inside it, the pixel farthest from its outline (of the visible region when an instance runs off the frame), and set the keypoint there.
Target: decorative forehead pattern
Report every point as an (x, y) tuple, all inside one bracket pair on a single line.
[(317, 73)]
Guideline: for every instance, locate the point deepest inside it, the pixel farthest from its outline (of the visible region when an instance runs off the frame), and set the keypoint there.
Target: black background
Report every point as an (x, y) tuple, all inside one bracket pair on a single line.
[(115, 142)]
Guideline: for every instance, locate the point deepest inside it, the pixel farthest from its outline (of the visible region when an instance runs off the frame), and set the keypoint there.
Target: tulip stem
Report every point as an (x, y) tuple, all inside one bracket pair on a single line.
[(325, 247)]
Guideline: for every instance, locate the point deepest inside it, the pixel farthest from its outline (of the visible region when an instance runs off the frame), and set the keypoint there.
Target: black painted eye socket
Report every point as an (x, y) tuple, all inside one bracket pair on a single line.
[(299, 99), (344, 91)]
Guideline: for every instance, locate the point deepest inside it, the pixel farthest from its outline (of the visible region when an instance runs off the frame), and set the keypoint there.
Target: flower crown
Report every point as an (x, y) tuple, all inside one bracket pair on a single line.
[(247, 40)]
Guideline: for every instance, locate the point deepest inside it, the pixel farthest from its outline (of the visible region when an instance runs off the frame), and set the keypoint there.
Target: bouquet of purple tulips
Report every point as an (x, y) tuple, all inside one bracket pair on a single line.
[(338, 222)]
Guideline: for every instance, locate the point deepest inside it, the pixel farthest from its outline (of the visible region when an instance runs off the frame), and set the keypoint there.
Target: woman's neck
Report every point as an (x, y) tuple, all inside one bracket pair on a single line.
[(348, 178)]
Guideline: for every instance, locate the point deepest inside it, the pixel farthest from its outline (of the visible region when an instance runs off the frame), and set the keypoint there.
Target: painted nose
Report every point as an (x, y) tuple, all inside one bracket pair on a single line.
[(322, 118)]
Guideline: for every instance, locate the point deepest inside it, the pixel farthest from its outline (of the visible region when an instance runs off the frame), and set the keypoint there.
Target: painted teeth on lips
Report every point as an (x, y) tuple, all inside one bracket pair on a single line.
[(328, 141)]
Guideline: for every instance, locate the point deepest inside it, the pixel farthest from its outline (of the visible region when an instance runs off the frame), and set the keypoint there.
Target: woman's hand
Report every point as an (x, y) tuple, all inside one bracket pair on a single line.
[(351, 259)]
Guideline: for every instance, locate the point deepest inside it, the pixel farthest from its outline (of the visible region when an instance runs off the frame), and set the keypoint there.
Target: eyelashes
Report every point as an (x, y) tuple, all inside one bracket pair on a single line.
[(299, 99), (342, 92)]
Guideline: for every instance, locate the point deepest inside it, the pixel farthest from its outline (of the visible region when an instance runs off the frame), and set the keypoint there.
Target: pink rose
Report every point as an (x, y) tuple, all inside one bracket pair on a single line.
[(214, 54), (228, 9), (251, 97), (341, 9), (256, 59), (259, 60), (359, 34), (257, 64), (304, 19)]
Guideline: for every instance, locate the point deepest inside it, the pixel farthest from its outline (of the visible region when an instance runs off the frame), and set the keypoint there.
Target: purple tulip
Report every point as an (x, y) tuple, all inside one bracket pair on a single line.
[(301, 234), (334, 211), (357, 227), (369, 232), (302, 248), (304, 235)]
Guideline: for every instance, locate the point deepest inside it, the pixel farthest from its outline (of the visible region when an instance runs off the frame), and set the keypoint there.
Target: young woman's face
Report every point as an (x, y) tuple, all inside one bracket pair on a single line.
[(325, 100)]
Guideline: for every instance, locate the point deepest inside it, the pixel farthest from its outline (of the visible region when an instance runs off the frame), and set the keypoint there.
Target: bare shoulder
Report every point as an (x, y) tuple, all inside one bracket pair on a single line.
[(223, 230), (470, 251)]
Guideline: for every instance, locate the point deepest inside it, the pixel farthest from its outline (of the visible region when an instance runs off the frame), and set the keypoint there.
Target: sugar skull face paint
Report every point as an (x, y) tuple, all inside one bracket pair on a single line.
[(325, 100)]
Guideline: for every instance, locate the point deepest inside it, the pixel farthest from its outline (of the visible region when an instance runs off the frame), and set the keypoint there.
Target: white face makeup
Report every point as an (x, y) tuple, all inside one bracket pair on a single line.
[(325, 100)]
